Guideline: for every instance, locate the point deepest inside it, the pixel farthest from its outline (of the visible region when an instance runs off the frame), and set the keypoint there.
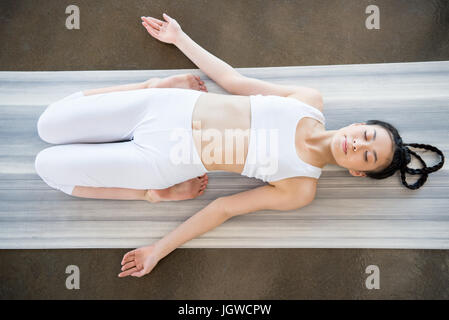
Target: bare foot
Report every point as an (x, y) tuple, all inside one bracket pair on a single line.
[(184, 81), (182, 191)]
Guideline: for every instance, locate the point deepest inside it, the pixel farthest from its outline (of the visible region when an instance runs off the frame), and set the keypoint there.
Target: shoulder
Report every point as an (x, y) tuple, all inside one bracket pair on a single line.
[(310, 96), (298, 188)]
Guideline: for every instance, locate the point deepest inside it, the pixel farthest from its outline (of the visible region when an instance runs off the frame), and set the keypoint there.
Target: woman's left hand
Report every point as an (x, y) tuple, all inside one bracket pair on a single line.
[(139, 262)]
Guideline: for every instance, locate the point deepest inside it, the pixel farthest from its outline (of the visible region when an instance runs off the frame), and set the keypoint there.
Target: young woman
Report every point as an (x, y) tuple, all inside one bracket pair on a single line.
[(142, 161)]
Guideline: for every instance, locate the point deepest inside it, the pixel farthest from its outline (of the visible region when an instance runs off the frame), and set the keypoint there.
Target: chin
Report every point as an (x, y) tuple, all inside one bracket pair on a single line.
[(334, 149)]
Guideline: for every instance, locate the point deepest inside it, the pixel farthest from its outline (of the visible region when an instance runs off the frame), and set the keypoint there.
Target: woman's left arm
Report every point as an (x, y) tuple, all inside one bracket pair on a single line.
[(141, 261)]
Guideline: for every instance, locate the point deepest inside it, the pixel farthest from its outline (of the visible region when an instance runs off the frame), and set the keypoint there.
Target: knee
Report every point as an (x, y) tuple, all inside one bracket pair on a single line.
[(48, 164), (46, 127), (42, 163), (45, 167)]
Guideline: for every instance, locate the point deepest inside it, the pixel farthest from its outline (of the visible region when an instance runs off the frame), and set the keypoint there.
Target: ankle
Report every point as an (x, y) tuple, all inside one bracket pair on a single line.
[(164, 83), (152, 196)]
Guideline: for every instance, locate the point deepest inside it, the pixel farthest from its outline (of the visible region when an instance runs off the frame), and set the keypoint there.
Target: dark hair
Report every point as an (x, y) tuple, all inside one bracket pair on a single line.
[(402, 157)]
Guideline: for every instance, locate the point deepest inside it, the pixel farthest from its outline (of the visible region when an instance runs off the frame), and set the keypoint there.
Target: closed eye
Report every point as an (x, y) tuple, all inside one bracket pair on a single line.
[(365, 154), (374, 152)]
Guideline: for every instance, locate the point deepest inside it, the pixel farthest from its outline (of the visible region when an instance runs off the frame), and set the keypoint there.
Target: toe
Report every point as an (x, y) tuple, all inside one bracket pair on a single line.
[(194, 85)]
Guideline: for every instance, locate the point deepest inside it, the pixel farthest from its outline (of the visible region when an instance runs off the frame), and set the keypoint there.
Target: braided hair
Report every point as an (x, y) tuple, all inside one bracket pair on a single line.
[(402, 157)]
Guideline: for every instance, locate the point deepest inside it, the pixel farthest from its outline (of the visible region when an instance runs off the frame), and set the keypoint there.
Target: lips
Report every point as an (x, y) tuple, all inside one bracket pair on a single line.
[(345, 145)]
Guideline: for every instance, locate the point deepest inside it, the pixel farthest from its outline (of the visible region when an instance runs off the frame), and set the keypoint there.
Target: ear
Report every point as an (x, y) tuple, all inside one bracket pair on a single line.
[(357, 173)]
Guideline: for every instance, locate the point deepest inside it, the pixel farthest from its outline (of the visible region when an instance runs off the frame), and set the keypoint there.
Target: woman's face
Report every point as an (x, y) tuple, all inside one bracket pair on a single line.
[(361, 147)]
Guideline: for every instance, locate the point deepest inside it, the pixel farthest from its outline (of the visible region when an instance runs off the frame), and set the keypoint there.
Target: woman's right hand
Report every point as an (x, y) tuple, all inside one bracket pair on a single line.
[(166, 31)]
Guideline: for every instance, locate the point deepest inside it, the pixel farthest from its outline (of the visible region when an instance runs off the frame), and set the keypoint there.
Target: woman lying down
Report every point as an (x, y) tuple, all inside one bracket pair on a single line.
[(157, 140)]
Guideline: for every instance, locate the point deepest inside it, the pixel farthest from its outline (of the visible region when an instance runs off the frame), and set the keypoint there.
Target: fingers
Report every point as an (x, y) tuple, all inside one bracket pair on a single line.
[(130, 268), (129, 265), (152, 31), (148, 27), (166, 17), (127, 272), (159, 22), (129, 256), (152, 24), (139, 273)]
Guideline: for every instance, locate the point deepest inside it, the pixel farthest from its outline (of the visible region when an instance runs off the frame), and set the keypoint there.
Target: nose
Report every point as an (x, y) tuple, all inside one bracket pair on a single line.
[(356, 144)]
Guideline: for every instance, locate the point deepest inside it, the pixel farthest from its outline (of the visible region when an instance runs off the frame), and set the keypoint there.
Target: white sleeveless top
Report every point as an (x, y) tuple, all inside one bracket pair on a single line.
[(271, 151)]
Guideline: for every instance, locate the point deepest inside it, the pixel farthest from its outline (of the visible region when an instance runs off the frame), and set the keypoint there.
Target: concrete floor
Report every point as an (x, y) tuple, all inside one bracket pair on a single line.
[(244, 34), (229, 274), (256, 33)]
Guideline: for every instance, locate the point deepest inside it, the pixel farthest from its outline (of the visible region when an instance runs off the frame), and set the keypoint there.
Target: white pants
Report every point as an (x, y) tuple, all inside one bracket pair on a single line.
[(123, 139)]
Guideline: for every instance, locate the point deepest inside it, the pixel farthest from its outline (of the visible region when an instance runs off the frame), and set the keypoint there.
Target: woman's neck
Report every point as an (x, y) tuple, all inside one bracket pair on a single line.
[(319, 143)]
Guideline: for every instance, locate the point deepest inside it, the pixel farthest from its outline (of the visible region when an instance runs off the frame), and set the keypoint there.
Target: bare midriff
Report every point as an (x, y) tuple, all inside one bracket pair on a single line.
[(213, 115)]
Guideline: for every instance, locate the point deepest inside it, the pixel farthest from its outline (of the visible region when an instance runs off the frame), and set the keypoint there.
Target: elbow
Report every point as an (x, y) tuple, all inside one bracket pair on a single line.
[(294, 203), (315, 98), (232, 83), (294, 206)]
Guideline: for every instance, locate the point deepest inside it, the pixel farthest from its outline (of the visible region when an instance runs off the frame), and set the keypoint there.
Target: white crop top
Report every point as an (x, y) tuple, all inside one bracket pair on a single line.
[(271, 151)]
